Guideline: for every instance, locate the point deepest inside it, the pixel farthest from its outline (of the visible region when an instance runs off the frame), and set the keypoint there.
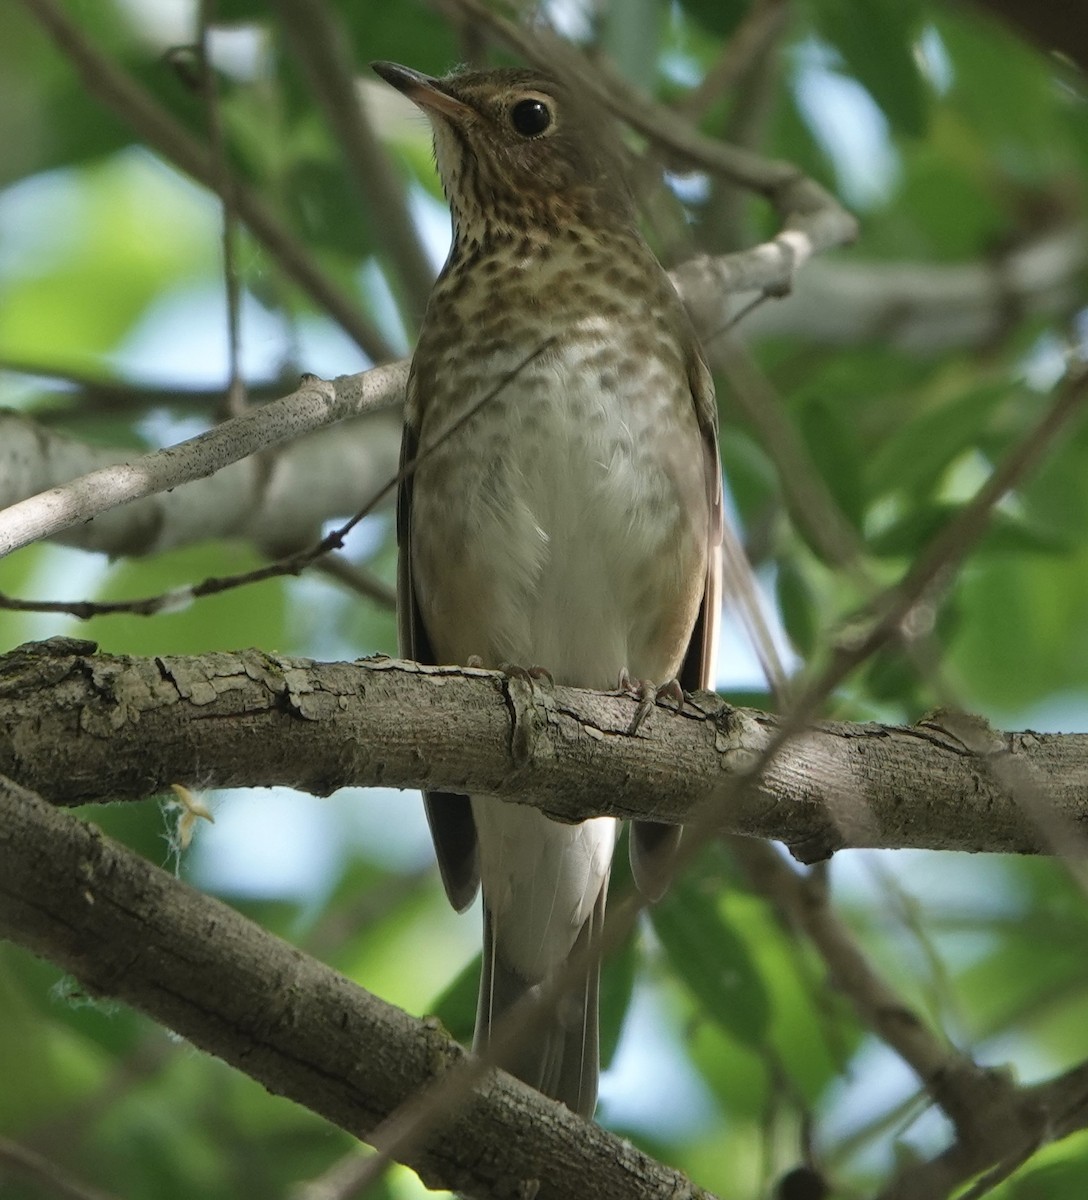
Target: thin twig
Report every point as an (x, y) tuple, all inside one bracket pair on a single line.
[(235, 399), (756, 32), (358, 579), (47, 1175)]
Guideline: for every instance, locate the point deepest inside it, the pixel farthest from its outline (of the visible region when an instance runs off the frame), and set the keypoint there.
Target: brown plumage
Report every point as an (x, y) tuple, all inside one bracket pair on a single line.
[(573, 523)]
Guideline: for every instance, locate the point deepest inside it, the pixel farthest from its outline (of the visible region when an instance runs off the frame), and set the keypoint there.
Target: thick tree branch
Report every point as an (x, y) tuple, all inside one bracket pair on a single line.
[(77, 726), (128, 930), (69, 894)]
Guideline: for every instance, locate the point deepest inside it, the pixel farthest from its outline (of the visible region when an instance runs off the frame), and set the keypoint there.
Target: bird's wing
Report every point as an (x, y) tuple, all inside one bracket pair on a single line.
[(700, 662), (654, 845), (449, 815)]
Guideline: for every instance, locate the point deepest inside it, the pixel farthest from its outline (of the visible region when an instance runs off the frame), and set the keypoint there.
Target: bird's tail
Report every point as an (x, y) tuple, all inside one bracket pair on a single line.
[(555, 1051)]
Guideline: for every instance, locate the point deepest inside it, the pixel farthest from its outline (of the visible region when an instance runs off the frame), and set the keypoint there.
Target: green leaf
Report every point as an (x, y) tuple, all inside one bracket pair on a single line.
[(455, 1007), (1023, 637), (925, 444), (833, 444), (1063, 1180), (1000, 91), (325, 207), (748, 472), (719, 17), (710, 957), (38, 1045), (947, 194), (379, 30), (876, 41), (797, 605)]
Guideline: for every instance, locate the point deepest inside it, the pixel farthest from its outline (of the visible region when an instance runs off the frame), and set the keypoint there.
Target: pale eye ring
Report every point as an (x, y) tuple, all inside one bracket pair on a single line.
[(531, 117)]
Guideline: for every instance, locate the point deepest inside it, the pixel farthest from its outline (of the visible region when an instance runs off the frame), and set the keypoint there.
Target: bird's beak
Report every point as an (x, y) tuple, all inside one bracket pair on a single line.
[(423, 90)]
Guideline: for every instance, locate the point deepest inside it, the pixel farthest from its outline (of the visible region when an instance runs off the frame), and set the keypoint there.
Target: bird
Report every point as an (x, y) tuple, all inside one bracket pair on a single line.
[(565, 513)]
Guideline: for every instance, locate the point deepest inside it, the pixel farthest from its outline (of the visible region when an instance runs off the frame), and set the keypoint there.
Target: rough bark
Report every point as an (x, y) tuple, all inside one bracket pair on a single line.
[(78, 726)]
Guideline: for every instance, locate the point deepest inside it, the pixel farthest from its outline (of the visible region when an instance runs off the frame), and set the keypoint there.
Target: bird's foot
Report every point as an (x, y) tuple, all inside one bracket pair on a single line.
[(531, 675), (649, 694)]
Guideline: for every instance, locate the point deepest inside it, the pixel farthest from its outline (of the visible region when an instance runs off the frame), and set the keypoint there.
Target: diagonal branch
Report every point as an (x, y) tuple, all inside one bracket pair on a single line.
[(316, 404), (706, 286), (52, 1179), (69, 894), (128, 930)]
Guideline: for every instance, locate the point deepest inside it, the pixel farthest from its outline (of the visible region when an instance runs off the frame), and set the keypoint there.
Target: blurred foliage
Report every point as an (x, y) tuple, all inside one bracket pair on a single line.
[(109, 270)]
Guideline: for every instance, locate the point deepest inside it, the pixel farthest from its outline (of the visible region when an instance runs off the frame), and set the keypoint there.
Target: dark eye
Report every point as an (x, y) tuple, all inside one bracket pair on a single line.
[(530, 117)]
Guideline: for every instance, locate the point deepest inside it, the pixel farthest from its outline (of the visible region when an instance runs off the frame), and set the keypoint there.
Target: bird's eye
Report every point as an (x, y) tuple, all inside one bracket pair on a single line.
[(530, 117)]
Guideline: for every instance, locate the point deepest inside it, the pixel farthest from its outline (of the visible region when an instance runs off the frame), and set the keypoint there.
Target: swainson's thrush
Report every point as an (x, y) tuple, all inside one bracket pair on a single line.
[(573, 522)]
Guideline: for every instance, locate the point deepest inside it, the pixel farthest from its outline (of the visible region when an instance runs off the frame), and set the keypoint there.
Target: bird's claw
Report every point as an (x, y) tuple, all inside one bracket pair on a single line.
[(648, 695), (531, 675)]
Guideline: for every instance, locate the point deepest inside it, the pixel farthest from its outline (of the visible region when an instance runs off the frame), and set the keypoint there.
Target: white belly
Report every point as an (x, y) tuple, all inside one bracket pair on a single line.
[(570, 535)]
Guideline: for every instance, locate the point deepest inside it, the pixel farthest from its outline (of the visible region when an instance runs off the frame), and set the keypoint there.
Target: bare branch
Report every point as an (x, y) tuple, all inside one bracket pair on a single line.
[(916, 307), (75, 726), (708, 287), (316, 404)]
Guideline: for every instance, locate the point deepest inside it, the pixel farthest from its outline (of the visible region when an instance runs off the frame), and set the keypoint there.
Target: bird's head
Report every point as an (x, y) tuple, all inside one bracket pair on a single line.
[(518, 150)]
